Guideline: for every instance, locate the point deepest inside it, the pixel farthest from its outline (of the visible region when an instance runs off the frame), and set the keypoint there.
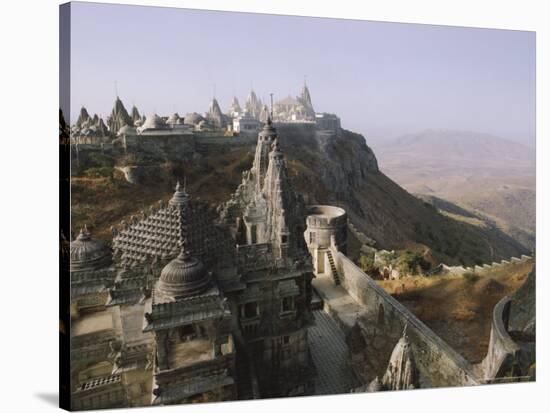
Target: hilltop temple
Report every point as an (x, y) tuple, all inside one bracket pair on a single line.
[(126, 128)]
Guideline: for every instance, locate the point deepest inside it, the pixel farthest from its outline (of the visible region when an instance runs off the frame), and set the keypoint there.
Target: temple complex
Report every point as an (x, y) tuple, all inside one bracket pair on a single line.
[(296, 109), (256, 298), (123, 128), (88, 129)]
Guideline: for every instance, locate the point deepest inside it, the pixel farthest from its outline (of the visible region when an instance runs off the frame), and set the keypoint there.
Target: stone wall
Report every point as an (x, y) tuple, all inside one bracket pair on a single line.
[(382, 324), (502, 349), (478, 269), (326, 226), (167, 147), (210, 143)]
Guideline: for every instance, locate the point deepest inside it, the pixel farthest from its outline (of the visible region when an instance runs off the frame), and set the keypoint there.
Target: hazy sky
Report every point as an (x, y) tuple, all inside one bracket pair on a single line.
[(382, 79)]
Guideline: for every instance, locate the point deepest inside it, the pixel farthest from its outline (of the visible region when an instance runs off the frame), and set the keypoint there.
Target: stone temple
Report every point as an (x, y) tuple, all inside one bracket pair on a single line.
[(256, 299)]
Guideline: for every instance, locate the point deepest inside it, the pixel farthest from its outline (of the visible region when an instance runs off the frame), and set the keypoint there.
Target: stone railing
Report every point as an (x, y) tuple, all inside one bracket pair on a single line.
[(384, 320), (100, 393)]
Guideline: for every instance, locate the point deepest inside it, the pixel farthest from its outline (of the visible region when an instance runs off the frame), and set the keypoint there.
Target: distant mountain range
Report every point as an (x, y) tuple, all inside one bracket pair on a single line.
[(485, 174)]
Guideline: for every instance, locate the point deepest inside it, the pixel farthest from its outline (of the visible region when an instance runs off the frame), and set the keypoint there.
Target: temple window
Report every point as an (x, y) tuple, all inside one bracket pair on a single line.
[(253, 234), (287, 304), (312, 237), (186, 331), (284, 239), (250, 310)]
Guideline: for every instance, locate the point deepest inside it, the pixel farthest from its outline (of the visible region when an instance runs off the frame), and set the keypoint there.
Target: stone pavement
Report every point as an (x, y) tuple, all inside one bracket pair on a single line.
[(337, 300), (330, 356)]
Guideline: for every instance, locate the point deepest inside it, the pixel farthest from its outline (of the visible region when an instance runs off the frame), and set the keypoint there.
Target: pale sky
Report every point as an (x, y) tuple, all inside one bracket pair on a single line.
[(382, 79)]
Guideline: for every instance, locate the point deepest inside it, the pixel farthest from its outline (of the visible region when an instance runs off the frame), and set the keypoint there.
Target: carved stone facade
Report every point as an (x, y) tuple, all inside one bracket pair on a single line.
[(213, 306), (94, 329)]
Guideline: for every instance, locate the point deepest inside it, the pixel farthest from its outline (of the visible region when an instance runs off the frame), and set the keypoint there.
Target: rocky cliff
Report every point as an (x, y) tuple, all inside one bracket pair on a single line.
[(326, 167), (342, 169)]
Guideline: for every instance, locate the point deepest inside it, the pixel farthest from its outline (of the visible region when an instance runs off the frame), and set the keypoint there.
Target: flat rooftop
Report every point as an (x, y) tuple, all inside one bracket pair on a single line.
[(92, 323)]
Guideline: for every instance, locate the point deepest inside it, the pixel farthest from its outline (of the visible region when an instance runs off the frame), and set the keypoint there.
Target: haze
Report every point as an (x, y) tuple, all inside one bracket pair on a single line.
[(382, 79)]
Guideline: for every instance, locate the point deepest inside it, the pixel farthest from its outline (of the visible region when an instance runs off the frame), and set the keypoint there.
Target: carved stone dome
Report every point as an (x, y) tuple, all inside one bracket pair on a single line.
[(88, 254), (173, 119), (184, 276), (268, 132), (152, 122), (180, 197), (192, 119), (126, 130)]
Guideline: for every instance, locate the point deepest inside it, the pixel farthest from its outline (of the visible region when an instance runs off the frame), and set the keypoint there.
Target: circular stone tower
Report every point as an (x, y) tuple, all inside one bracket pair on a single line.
[(326, 229)]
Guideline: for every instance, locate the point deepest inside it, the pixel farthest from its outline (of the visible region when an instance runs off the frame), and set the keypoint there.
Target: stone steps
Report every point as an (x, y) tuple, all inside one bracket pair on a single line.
[(333, 268)]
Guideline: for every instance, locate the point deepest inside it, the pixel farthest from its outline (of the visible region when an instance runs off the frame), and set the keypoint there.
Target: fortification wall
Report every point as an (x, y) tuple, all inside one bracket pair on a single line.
[(479, 269), (171, 147), (205, 144), (382, 325)]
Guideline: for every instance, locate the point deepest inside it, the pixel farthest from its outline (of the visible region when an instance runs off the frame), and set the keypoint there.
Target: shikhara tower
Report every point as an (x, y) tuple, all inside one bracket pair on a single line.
[(275, 267)]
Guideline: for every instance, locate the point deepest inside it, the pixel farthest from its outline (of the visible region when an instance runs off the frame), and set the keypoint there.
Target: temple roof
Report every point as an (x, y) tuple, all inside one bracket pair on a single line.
[(153, 121), (159, 235), (184, 276), (192, 119), (167, 314), (88, 254), (288, 101), (135, 114), (402, 373), (119, 117), (173, 119), (82, 117)]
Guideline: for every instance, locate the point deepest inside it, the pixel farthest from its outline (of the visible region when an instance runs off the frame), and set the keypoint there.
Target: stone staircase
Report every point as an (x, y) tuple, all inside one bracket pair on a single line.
[(333, 270)]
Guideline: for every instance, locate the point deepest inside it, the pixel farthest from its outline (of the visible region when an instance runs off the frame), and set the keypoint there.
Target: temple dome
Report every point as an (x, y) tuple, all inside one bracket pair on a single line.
[(173, 119), (153, 121), (180, 197), (183, 276), (126, 130), (88, 254), (192, 119)]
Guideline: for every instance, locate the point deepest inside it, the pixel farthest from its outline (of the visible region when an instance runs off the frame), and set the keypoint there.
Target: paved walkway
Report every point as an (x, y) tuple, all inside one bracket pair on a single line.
[(330, 355), (341, 304)]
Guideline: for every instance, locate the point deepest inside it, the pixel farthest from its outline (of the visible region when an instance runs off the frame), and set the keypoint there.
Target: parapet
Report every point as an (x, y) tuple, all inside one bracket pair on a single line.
[(326, 216)]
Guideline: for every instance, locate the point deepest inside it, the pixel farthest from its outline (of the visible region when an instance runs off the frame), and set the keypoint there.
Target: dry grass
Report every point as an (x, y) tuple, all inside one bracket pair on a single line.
[(102, 202), (457, 309)]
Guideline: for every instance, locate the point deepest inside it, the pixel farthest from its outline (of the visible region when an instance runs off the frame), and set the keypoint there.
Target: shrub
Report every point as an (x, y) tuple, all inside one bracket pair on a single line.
[(470, 276), (412, 263), (101, 160), (103, 171), (366, 263)]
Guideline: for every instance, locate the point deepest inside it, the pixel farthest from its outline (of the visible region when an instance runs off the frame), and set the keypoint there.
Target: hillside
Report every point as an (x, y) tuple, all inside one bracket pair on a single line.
[(491, 177), (340, 170), (459, 309)]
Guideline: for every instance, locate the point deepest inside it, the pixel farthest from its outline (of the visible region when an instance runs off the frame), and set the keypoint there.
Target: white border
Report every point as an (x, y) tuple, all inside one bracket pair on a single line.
[(29, 230)]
